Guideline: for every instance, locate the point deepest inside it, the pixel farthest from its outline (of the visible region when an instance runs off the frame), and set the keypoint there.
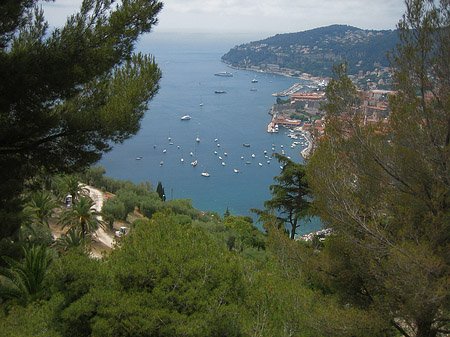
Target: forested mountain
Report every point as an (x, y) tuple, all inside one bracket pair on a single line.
[(316, 51)]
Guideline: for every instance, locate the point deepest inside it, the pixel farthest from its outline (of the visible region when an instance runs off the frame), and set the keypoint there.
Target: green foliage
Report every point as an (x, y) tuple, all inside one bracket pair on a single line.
[(71, 92), (68, 185), (166, 279), (25, 280), (73, 274), (40, 207), (160, 191), (227, 213), (72, 238), (114, 208), (289, 195), (81, 215), (37, 319), (34, 234), (384, 189), (283, 101)]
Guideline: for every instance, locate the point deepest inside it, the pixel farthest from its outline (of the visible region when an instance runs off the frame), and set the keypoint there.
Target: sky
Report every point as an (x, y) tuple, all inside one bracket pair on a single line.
[(258, 18)]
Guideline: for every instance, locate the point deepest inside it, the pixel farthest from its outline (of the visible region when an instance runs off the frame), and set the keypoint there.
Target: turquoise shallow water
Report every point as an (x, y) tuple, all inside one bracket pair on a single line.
[(236, 117)]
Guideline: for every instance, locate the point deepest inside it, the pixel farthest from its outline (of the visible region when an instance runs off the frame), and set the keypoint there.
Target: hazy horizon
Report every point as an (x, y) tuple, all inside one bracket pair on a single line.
[(256, 19)]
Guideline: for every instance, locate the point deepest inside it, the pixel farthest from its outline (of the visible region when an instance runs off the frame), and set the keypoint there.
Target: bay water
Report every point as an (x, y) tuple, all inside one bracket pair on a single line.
[(222, 123)]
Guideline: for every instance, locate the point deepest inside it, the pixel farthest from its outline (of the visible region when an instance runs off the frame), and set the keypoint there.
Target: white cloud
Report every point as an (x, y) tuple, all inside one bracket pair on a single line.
[(263, 16)]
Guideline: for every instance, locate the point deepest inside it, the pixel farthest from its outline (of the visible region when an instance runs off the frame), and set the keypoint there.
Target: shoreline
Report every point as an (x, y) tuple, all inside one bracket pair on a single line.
[(308, 78)]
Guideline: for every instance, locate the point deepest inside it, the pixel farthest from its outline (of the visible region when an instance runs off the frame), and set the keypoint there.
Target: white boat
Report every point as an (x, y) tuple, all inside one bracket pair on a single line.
[(139, 158), (194, 163), (161, 163), (197, 139), (215, 152), (260, 164), (216, 139), (224, 74), (253, 155), (265, 151), (182, 160), (225, 154), (186, 118), (205, 174), (220, 157), (154, 146), (236, 171), (191, 154), (268, 162), (254, 80), (169, 139), (218, 145), (242, 157), (220, 92), (223, 163), (164, 151), (201, 104)]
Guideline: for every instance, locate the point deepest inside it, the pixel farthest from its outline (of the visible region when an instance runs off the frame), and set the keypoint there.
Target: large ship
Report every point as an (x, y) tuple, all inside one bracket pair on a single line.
[(224, 74)]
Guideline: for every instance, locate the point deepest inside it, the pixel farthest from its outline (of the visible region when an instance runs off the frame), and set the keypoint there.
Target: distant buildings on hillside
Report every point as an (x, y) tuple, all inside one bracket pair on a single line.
[(303, 110)]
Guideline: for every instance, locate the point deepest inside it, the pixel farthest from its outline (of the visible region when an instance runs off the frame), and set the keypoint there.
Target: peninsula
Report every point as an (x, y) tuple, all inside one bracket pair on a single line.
[(312, 54)]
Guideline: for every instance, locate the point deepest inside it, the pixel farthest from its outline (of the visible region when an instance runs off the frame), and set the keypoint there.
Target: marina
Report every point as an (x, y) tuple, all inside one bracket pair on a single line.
[(293, 89)]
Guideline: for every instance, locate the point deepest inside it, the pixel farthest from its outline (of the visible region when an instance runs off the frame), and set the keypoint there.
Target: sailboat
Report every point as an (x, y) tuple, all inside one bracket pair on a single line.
[(205, 174)]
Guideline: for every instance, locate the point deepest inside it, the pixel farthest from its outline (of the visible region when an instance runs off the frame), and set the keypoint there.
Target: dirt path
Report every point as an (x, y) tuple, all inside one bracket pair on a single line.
[(99, 197)]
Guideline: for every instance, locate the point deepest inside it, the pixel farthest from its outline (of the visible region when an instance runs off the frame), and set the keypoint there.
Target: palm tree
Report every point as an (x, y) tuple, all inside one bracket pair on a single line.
[(25, 280), (82, 216), (70, 185), (73, 238), (40, 208)]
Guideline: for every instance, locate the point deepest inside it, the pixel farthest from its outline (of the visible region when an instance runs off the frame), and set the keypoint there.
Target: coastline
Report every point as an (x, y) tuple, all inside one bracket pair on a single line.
[(305, 152), (303, 77)]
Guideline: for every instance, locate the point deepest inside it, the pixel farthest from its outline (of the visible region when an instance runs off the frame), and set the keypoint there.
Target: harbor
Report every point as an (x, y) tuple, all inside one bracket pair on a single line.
[(293, 89)]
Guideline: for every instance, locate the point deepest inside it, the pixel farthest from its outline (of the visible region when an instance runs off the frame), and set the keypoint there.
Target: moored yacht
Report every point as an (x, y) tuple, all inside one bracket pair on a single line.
[(224, 74)]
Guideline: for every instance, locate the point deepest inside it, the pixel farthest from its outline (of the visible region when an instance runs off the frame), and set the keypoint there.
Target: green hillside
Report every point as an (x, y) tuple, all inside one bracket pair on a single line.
[(316, 51)]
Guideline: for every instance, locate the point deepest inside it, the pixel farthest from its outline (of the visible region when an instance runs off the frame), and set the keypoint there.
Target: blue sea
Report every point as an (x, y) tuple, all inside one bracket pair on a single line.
[(231, 119)]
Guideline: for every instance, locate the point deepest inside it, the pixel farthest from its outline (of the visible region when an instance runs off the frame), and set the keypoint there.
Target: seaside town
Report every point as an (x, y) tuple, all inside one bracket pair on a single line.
[(301, 111), (298, 109)]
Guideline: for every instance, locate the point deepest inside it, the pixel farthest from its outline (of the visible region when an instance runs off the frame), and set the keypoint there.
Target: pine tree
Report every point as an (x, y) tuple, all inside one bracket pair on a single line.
[(384, 189), (289, 195), (67, 95), (160, 191)]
